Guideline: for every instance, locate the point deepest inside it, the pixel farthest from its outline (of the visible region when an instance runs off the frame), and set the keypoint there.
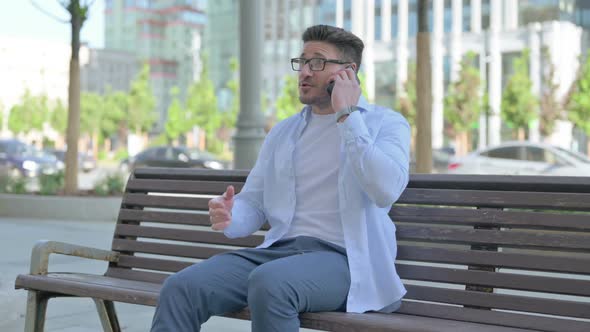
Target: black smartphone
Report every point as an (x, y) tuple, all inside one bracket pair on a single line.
[(330, 86)]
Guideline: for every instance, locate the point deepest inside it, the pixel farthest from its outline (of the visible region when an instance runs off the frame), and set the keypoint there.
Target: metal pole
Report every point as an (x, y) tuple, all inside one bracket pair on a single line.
[(250, 126)]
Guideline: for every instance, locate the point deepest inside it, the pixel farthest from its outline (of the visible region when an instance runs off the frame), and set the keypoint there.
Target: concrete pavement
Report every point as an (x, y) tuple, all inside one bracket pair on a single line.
[(17, 237)]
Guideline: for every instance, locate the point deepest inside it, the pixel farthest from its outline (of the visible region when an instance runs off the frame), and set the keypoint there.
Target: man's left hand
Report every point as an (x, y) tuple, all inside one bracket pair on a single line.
[(346, 89)]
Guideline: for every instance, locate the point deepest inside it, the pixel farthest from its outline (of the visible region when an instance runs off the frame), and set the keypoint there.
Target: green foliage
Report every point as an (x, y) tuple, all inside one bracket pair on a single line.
[(230, 117), (579, 108), (13, 185), (202, 108), (406, 99), (29, 115), (112, 184), (51, 184), (91, 112), (462, 105), (550, 108), (176, 123), (519, 105), (121, 154), (141, 108), (59, 117), (287, 103)]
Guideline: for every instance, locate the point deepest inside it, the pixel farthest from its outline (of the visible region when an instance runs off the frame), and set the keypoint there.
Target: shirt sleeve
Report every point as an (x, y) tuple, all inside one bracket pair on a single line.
[(248, 209), (381, 165)]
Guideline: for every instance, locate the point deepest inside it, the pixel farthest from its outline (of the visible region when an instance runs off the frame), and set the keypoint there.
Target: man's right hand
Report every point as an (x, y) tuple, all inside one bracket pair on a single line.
[(220, 209)]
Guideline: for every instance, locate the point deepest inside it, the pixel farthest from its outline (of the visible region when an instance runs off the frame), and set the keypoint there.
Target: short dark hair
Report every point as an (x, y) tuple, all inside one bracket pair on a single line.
[(346, 42)]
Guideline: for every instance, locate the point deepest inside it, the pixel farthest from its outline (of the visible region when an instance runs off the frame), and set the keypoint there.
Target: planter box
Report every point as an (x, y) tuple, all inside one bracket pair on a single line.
[(60, 207)]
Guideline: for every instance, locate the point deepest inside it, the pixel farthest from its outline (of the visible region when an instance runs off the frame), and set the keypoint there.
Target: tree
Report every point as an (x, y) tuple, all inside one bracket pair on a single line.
[(29, 115), (519, 104), (551, 109), (424, 93), (288, 103), (202, 108), (176, 123), (579, 106), (78, 14), (463, 103), (230, 116), (141, 103)]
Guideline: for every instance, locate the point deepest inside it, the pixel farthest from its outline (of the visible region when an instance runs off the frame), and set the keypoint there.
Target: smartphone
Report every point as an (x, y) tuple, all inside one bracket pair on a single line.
[(330, 86)]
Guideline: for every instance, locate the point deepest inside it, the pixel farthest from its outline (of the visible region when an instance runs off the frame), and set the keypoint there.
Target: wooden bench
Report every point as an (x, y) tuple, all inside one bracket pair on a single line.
[(476, 253)]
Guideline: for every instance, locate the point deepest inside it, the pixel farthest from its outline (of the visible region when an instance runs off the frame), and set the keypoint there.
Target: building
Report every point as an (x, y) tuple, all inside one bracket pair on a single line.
[(166, 34), (496, 30), (108, 69)]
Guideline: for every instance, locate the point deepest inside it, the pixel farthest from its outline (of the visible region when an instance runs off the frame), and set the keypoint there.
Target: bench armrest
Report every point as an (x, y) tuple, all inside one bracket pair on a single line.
[(43, 248)]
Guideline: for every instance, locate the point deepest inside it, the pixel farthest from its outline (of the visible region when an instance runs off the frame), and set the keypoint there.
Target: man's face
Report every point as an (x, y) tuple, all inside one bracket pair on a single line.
[(312, 84)]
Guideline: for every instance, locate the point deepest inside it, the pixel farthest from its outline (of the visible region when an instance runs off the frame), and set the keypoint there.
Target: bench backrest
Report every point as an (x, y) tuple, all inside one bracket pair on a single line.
[(508, 250)]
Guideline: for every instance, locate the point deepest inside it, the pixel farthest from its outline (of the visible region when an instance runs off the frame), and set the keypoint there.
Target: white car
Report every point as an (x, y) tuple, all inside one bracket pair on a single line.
[(522, 158)]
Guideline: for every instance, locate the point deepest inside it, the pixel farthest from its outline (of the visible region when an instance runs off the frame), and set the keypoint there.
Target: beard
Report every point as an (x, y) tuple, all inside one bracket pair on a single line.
[(322, 100)]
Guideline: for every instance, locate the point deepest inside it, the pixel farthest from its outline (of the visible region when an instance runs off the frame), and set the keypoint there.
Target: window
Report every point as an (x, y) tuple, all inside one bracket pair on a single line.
[(510, 152), (536, 154)]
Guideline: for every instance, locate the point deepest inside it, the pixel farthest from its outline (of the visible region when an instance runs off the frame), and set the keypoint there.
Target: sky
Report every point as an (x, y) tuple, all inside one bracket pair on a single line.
[(20, 18)]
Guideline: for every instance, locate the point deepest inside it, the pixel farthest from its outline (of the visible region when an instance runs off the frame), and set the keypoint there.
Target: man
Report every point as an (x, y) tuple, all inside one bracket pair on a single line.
[(325, 180)]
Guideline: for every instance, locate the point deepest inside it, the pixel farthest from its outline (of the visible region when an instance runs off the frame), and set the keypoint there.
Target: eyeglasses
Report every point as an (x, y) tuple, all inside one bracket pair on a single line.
[(315, 64)]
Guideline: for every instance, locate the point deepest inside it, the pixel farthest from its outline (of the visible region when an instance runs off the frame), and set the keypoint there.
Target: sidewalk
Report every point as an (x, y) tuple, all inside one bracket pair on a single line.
[(17, 237)]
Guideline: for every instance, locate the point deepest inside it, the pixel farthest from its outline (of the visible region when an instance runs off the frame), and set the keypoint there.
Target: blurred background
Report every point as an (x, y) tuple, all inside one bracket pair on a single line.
[(159, 82)]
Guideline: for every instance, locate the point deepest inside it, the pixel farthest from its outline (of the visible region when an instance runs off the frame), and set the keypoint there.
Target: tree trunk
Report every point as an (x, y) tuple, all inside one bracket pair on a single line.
[(73, 131), (423, 93), (521, 134)]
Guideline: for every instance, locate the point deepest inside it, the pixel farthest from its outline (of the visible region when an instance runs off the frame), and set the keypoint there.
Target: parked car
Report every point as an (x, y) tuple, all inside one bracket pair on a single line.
[(20, 159), (440, 160), (169, 156), (522, 158), (86, 161)]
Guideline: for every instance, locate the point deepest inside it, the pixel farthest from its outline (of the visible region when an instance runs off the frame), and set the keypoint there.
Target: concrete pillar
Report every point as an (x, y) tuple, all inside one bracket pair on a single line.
[(357, 13), (385, 20), (456, 35), (476, 28), (476, 16), (250, 126), (340, 13), (437, 74), (510, 14), (535, 75), (402, 46), (495, 77), (369, 58)]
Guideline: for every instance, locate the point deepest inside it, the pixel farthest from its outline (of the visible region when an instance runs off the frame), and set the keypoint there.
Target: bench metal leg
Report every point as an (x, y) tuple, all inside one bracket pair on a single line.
[(108, 315), (36, 309)]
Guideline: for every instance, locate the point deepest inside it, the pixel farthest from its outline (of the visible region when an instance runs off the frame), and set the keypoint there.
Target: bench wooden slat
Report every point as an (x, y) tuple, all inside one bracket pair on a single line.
[(170, 217), (522, 320), (171, 202), (495, 279), (137, 275), (199, 252), (479, 217), (167, 217), (186, 235), (154, 264), (84, 285), (527, 261), (533, 239), (499, 199), (499, 301), (181, 186)]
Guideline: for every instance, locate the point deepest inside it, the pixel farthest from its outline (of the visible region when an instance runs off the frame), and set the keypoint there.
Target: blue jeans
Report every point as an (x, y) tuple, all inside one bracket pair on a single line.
[(302, 274)]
